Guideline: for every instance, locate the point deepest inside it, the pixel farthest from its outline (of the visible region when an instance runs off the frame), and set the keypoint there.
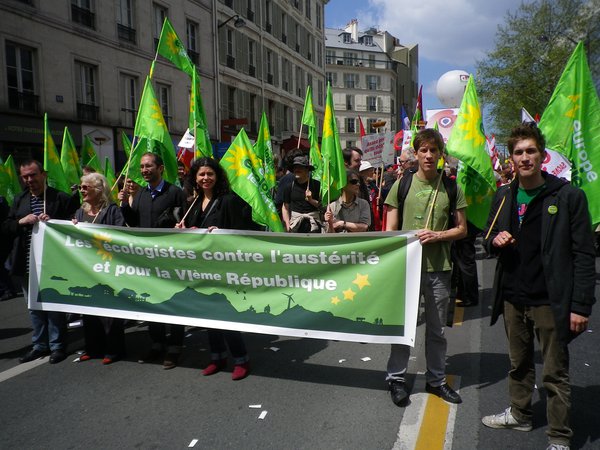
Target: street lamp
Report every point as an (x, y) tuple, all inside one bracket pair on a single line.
[(239, 22)]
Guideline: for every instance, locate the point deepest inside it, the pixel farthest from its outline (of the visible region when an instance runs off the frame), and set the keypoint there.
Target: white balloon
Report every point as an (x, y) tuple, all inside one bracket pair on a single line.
[(451, 87)]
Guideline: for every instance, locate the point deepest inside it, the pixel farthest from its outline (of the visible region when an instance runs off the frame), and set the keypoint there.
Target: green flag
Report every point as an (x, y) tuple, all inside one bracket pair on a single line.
[(334, 171), (111, 178), (197, 122), (69, 159), (571, 126), (467, 143), (56, 176), (308, 119), (151, 129), (89, 157), (264, 152), (126, 144), (243, 170), (9, 180), (171, 47)]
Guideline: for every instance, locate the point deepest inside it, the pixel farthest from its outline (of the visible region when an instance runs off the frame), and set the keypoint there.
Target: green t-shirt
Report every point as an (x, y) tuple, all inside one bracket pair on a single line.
[(436, 256)]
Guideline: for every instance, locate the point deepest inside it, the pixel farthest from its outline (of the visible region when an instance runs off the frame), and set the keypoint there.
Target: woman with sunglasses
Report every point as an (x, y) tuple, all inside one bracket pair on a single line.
[(349, 213), (104, 336)]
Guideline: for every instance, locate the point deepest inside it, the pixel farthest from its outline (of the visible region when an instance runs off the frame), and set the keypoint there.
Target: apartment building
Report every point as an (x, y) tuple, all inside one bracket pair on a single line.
[(372, 76)]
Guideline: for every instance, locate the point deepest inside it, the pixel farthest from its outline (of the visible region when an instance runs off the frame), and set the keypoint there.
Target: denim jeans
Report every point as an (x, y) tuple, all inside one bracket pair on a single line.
[(218, 350), (435, 288), (523, 324)]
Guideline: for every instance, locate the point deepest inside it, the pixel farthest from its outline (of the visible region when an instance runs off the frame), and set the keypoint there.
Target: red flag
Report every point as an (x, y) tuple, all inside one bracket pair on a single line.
[(420, 102), (361, 128), (186, 156), (537, 118)]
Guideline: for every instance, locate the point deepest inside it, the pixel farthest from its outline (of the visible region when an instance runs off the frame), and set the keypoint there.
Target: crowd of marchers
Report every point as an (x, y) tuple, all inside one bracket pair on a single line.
[(539, 230)]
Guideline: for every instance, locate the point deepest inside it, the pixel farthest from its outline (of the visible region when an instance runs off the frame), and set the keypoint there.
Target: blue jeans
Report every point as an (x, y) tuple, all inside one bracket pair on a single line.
[(49, 327), (435, 288)]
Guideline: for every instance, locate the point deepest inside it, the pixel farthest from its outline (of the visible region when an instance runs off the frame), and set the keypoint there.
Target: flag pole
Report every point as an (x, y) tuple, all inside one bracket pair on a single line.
[(437, 189), (188, 211), (380, 182), (495, 218), (157, 47), (128, 164)]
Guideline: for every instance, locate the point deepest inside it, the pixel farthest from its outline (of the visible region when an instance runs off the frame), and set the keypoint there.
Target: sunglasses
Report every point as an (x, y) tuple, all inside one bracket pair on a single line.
[(85, 187), (354, 181)]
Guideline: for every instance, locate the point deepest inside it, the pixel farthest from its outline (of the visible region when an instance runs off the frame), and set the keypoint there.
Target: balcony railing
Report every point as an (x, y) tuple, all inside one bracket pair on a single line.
[(231, 62), (126, 33), (82, 16), (252, 70), (87, 112), (23, 101)]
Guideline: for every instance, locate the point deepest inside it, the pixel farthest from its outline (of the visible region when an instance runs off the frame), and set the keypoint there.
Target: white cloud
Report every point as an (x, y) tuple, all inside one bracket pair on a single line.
[(457, 32)]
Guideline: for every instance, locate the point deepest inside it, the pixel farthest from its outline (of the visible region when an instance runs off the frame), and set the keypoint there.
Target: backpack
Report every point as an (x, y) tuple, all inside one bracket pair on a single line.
[(449, 185)]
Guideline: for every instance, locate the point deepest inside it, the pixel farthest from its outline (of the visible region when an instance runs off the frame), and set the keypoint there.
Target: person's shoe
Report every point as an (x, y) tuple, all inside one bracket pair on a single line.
[(466, 303), (170, 361), (398, 392), (57, 356), (505, 419), (240, 371), (85, 357), (444, 392), (214, 367), (109, 360), (33, 354), (152, 356), (558, 447)]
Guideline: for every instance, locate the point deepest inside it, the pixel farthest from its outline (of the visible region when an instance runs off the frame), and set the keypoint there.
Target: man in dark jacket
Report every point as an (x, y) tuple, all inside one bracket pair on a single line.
[(159, 205), (37, 203), (544, 282)]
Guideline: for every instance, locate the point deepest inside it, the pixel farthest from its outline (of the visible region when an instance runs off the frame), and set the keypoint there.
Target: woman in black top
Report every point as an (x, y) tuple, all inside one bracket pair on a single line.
[(104, 336), (216, 206)]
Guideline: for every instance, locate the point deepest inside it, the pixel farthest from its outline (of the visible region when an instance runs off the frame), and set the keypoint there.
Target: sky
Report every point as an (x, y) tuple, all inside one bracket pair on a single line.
[(451, 34)]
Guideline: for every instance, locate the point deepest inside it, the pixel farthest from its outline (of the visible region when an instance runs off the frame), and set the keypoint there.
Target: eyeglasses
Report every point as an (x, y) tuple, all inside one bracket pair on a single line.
[(354, 181), (85, 187), (403, 162)]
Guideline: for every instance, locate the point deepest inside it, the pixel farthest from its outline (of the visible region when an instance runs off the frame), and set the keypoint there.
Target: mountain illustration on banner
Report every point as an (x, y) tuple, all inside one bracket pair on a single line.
[(215, 306)]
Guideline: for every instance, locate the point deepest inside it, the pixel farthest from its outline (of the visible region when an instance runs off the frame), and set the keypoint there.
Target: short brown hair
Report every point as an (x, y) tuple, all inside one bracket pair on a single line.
[(429, 134), (527, 130)]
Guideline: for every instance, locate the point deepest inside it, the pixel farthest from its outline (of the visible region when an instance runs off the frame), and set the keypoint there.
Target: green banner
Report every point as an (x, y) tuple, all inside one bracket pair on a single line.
[(359, 287)]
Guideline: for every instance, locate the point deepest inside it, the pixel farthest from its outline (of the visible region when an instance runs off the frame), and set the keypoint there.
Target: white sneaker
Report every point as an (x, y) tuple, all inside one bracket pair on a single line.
[(506, 420), (557, 447)]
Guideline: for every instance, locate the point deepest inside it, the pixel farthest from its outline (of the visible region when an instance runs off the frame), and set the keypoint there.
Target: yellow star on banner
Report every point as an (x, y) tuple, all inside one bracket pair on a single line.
[(472, 126), (335, 300), (172, 42), (349, 294), (157, 114), (236, 160), (571, 113), (361, 281), (97, 241)]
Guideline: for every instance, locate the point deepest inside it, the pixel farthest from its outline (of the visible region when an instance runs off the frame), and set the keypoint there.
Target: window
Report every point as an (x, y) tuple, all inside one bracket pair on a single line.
[(350, 125), (158, 18), (368, 40), (307, 9), (318, 15), (250, 10), (269, 67), (350, 80), (297, 34), (20, 78), (300, 83), (251, 58), (163, 96), (371, 60), (320, 94), (373, 82), (329, 56), (284, 28), (191, 34), (82, 12), (372, 104), (286, 117), (286, 75), (85, 91), (268, 16), (346, 38), (231, 102), (350, 58), (331, 78), (129, 100), (319, 54), (370, 123), (349, 102), (229, 33), (125, 21)]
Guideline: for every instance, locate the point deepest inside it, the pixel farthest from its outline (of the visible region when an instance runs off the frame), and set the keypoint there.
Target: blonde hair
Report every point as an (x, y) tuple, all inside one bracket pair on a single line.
[(97, 181)]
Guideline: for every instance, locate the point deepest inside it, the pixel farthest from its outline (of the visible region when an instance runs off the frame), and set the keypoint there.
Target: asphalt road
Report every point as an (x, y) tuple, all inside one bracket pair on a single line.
[(317, 394)]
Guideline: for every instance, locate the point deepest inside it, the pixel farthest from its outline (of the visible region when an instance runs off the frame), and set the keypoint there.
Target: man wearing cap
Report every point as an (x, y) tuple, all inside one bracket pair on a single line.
[(301, 199)]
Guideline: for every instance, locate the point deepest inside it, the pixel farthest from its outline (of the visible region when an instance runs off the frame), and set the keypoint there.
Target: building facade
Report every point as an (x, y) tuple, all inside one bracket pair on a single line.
[(372, 76), (85, 62)]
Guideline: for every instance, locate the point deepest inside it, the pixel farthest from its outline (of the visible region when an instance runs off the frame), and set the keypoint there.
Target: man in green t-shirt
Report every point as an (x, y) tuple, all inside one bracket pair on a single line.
[(426, 208)]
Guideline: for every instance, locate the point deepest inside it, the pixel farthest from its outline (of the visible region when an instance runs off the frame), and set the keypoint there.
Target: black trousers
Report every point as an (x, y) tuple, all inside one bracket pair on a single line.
[(158, 334), (464, 272), (104, 336)]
